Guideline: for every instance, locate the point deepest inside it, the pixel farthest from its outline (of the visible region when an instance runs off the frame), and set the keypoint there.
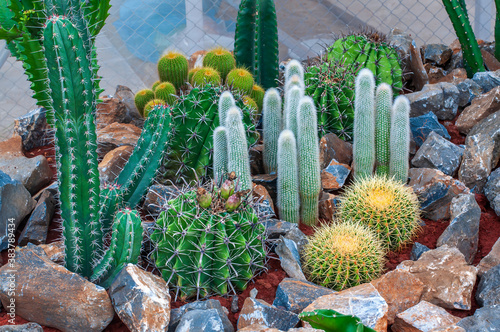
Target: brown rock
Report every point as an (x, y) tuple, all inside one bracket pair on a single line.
[(447, 277), (109, 111), (115, 135), (258, 328), (260, 192), (480, 108), (332, 147), (54, 251), (420, 77), (456, 46), (424, 317), (490, 260), (326, 205), (450, 328), (269, 181), (256, 161), (456, 76), (363, 301), (13, 147), (257, 311), (435, 74), (400, 289), (113, 163), (126, 96), (334, 176), (490, 61), (194, 57)]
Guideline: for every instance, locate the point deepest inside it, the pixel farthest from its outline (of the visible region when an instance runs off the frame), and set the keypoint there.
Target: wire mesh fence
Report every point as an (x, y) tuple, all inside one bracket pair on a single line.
[(139, 31)]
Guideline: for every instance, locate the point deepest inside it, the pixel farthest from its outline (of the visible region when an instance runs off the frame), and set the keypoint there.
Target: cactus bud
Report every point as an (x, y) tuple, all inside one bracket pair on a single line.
[(233, 202), (204, 198), (227, 189)]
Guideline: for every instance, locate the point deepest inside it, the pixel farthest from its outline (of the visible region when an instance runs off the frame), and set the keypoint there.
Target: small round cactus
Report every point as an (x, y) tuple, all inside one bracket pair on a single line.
[(191, 74), (150, 105), (166, 91), (143, 97), (206, 75), (240, 79), (221, 60), (343, 255), (173, 68), (388, 207), (258, 95), (250, 103), (155, 84)]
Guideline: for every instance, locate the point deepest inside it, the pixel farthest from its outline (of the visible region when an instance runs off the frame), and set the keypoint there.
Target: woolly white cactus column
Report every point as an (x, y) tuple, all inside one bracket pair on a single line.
[(288, 183), (271, 125), (383, 107), (226, 101), (292, 100), (400, 139), (220, 153), (237, 148), (293, 67)]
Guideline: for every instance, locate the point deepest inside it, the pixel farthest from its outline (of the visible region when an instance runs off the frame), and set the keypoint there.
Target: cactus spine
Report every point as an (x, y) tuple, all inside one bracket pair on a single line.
[(364, 124), (271, 125), (237, 148), (309, 168), (288, 183), (400, 139), (220, 153), (383, 106), (173, 68)]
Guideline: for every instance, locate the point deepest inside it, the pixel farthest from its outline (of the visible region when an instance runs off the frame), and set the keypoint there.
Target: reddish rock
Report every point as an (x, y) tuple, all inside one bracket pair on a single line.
[(260, 192), (480, 108), (258, 328), (457, 75), (420, 77), (435, 74), (332, 147), (334, 176), (257, 311), (194, 57), (450, 328), (113, 163), (109, 111), (115, 135), (13, 147), (326, 206), (424, 317), (492, 64), (491, 260), (54, 251)]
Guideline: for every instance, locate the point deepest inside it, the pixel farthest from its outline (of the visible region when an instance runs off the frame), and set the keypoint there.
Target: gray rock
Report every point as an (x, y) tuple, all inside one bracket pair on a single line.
[(437, 54), (486, 319), (202, 321), (423, 125), (487, 80), (177, 314), (276, 228), (141, 299), (29, 327), (440, 98), (289, 257), (488, 290), (438, 153), (234, 304), (463, 231), (467, 91), (126, 96), (157, 197), (481, 108), (492, 190), (256, 159), (256, 311), (334, 176), (34, 173), (491, 260), (37, 227), (435, 190), (295, 295), (482, 152), (332, 147), (417, 250), (420, 77), (456, 61), (15, 204), (300, 239), (33, 129)]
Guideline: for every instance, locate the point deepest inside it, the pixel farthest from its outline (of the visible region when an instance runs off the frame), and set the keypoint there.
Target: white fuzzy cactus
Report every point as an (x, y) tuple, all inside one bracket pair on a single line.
[(292, 100), (288, 183), (237, 148), (220, 153), (226, 101), (293, 67), (271, 126), (383, 107), (400, 139)]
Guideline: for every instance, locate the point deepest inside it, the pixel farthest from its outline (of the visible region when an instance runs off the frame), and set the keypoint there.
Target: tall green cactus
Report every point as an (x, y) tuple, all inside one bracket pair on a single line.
[(400, 139), (288, 182), (220, 153), (364, 124), (308, 156), (256, 41), (271, 126), (383, 106), (237, 149)]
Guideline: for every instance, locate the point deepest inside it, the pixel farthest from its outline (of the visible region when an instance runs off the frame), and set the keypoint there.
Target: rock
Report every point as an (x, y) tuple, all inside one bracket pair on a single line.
[(438, 54), (37, 227), (141, 299), (300, 239), (449, 328), (258, 328), (126, 96), (54, 251), (481, 107), (417, 250), (456, 61), (203, 321), (438, 153), (334, 176), (50, 295), (492, 190), (332, 147), (435, 74), (490, 260), (33, 129), (401, 41), (295, 295), (276, 228), (29, 327), (157, 197), (258, 311), (463, 231), (256, 159), (487, 80), (423, 125), (488, 290), (400, 290), (467, 91), (420, 77), (113, 110), (490, 61), (269, 181), (113, 163), (115, 135), (15, 204), (176, 315), (456, 76), (260, 192), (447, 277), (423, 317), (482, 152), (234, 304), (363, 301), (289, 258), (439, 98), (486, 319), (435, 190), (327, 205)]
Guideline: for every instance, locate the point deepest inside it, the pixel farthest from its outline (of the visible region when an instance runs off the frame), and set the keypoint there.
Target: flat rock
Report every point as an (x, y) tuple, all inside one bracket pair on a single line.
[(332, 147), (29, 327), (440, 98), (417, 250), (438, 153), (276, 228), (295, 295), (288, 253), (113, 163), (435, 190), (438, 54), (492, 190), (486, 319), (424, 317), (487, 80), (50, 295), (456, 76), (33, 129), (488, 290), (400, 289), (481, 107), (258, 328), (327, 205), (267, 205), (15, 204), (363, 301), (334, 176), (297, 236), (468, 90), (37, 227), (127, 96), (176, 315), (422, 126), (141, 299), (482, 152), (463, 231), (447, 277), (115, 135), (157, 197), (436, 74), (258, 311), (490, 260)]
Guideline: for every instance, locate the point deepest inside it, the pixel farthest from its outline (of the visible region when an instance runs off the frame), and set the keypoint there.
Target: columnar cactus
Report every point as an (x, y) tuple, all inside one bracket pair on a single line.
[(173, 68), (237, 148), (308, 156), (383, 107), (271, 125), (400, 139), (288, 182), (226, 101), (220, 153), (293, 67), (257, 94), (364, 124), (292, 100)]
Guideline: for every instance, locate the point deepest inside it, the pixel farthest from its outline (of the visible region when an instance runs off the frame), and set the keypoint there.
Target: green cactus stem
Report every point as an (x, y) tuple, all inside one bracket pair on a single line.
[(237, 149), (271, 126), (226, 101), (288, 182), (220, 153), (400, 139), (173, 68), (383, 107)]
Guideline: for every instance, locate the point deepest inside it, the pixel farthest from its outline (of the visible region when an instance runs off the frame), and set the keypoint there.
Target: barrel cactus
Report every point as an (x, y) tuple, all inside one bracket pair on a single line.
[(240, 79), (206, 75), (221, 60), (166, 92), (142, 98), (173, 68)]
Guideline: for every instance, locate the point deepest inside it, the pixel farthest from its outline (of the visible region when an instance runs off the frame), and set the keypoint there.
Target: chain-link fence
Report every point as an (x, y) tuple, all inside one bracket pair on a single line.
[(139, 31)]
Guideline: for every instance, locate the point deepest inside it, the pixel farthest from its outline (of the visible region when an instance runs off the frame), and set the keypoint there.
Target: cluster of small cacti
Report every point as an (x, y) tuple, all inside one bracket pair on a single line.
[(381, 130), (209, 240)]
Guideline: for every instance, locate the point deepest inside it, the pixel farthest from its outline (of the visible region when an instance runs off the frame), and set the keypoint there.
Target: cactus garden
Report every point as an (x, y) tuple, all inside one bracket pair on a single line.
[(240, 190)]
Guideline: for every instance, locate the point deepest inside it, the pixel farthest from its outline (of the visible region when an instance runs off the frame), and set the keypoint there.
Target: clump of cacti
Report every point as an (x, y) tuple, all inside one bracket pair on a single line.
[(206, 75), (343, 255), (390, 208), (288, 183), (173, 68), (241, 80), (221, 60), (166, 92), (191, 73), (142, 98), (209, 240)]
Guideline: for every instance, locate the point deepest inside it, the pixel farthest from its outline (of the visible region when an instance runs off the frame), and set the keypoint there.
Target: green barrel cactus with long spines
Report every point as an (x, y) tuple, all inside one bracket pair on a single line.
[(308, 156), (155, 84), (292, 101), (173, 68), (202, 250), (271, 128), (142, 98), (206, 75), (343, 255), (390, 208), (383, 108), (221, 60), (364, 124), (237, 148), (166, 92), (241, 80), (400, 139), (288, 178), (191, 73), (371, 52), (220, 153)]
